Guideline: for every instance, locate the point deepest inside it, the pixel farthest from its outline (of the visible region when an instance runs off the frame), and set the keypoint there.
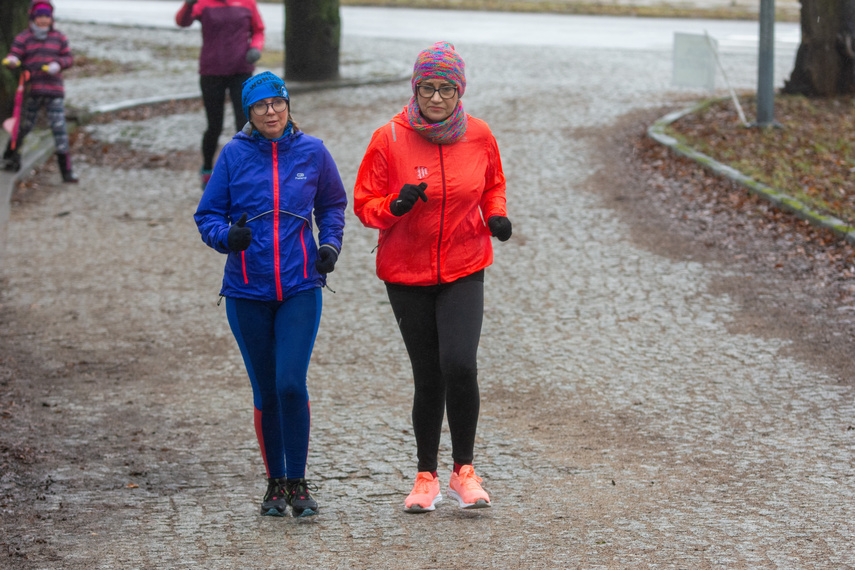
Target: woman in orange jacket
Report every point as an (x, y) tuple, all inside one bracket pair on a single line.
[(428, 181)]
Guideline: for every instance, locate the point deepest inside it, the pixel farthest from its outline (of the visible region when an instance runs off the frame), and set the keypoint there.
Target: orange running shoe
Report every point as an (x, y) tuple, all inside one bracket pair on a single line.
[(425, 494), (466, 488)]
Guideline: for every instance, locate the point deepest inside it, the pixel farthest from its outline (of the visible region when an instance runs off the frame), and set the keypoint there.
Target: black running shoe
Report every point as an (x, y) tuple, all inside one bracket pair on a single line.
[(275, 502), (302, 503)]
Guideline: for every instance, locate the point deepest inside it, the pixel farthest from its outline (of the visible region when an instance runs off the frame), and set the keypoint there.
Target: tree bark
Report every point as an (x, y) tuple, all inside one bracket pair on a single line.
[(312, 40), (825, 61), (13, 20)]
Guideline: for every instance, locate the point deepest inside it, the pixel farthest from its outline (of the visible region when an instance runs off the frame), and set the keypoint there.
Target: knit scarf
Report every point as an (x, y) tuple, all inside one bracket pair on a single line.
[(40, 33), (448, 131)]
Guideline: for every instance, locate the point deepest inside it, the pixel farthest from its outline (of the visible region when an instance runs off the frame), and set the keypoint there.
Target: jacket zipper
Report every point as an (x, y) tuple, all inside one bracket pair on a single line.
[(276, 275), (441, 220)]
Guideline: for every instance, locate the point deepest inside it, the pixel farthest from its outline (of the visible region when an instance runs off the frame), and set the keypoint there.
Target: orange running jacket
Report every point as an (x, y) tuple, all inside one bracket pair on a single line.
[(445, 238)]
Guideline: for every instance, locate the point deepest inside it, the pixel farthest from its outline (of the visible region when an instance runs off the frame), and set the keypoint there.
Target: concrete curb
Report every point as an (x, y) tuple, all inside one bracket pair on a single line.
[(84, 115), (37, 149), (657, 132)]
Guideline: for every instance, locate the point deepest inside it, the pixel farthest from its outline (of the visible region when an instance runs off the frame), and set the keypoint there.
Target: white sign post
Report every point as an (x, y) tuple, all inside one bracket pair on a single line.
[(694, 61)]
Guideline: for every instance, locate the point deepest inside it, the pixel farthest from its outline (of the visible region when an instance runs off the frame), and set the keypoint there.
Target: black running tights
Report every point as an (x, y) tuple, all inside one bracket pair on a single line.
[(441, 328), (214, 89)]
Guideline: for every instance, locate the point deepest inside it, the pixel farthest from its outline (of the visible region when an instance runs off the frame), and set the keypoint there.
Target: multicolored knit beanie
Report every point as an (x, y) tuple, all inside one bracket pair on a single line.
[(439, 61), (442, 61), (260, 87)]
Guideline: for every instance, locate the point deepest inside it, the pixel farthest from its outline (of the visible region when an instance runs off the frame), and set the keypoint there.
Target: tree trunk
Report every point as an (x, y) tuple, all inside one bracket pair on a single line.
[(13, 20), (312, 38), (825, 61)]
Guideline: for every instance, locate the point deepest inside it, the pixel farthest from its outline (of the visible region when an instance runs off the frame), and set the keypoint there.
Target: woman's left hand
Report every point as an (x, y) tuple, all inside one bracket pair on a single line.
[(253, 55)]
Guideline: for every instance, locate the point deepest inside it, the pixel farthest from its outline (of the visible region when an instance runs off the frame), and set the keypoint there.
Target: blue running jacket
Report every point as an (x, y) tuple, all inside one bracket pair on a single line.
[(278, 184)]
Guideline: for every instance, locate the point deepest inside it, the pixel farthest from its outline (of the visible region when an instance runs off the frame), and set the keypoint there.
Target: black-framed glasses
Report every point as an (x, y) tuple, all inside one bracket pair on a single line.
[(279, 104), (427, 91)]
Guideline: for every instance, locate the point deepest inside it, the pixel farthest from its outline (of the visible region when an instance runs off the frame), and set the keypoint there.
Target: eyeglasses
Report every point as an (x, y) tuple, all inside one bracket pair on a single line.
[(279, 104), (427, 91)]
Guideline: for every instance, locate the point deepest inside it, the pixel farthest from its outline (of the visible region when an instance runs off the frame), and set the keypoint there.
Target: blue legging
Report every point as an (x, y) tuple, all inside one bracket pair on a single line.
[(276, 340)]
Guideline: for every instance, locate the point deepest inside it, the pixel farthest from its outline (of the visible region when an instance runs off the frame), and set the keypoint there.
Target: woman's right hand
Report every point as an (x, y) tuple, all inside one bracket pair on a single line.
[(239, 236), (407, 198)]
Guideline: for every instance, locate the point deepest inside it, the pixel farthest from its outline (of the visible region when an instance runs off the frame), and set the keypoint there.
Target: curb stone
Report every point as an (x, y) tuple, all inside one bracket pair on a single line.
[(36, 150), (784, 201)]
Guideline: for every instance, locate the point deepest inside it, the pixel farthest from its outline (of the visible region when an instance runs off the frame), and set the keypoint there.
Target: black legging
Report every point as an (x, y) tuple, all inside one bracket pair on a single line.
[(214, 89), (441, 327)]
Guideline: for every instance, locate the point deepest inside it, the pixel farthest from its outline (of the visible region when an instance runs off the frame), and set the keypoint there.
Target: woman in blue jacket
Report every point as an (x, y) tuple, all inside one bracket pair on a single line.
[(268, 182)]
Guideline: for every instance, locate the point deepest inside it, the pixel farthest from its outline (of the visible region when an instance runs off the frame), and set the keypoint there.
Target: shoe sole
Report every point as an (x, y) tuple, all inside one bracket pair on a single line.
[(479, 504), (272, 512), (420, 509), (303, 513)]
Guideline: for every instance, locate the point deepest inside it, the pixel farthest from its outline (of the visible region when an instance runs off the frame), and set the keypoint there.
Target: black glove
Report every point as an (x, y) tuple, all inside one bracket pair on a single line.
[(253, 55), (500, 227), (239, 236), (327, 256), (407, 198)]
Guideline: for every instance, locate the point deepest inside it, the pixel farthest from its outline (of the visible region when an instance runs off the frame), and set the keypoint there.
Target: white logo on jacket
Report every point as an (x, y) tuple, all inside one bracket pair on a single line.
[(300, 176)]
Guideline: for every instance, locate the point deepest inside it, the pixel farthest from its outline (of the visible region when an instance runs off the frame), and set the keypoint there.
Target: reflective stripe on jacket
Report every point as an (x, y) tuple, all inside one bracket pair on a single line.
[(278, 184), (445, 238)]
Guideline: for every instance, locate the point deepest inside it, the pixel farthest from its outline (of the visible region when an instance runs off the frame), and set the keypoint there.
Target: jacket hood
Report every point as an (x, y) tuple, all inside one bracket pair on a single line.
[(401, 119)]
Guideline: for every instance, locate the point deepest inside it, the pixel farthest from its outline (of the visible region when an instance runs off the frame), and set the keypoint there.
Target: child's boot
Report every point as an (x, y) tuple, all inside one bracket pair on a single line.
[(11, 159), (64, 161)]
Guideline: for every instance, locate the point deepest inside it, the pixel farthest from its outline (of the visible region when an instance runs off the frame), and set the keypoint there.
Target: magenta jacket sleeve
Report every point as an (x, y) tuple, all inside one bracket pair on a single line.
[(256, 29), (185, 17)]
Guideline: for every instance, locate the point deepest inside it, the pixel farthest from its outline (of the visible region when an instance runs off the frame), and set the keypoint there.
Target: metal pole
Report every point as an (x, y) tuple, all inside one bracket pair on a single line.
[(766, 67)]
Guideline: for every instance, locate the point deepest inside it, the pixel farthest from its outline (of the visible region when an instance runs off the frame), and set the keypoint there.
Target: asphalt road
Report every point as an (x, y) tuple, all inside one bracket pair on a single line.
[(498, 28)]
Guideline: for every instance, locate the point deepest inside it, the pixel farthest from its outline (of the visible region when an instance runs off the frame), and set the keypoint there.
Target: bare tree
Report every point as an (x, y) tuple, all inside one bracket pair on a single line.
[(312, 39), (825, 62), (13, 20)]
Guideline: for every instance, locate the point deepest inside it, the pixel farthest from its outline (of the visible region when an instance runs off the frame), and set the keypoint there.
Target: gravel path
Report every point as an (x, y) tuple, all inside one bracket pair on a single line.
[(624, 424)]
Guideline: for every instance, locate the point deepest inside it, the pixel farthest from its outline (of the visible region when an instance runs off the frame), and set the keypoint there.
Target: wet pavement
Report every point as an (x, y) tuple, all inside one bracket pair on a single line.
[(623, 424)]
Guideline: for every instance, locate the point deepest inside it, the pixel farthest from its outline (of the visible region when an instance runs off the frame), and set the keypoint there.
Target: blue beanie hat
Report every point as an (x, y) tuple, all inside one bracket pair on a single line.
[(260, 87)]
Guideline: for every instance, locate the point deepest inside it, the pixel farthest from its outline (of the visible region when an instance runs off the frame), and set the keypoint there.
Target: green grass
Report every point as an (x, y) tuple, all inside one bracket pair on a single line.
[(811, 156)]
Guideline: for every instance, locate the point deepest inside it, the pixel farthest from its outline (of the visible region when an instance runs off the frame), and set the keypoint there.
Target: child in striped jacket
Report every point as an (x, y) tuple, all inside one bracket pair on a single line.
[(43, 52)]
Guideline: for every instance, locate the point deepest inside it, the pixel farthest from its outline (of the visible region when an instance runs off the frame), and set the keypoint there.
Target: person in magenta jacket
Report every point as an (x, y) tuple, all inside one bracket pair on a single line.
[(232, 40), (43, 52), (432, 182), (268, 183)]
